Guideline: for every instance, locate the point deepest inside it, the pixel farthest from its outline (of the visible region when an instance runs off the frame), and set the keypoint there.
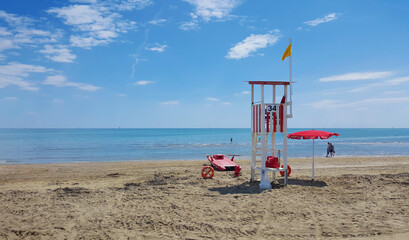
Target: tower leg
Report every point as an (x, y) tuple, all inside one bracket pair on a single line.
[(285, 156), (253, 155), (264, 181)]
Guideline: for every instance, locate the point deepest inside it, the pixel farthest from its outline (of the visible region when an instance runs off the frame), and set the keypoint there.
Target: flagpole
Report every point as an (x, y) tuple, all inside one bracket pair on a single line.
[(291, 84)]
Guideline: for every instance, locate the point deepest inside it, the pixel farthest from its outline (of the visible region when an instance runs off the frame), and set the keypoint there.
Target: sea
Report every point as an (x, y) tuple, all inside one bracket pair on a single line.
[(29, 146)]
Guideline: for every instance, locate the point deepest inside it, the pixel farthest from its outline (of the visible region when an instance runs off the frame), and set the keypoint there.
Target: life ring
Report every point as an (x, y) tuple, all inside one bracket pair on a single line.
[(207, 172), (288, 170)]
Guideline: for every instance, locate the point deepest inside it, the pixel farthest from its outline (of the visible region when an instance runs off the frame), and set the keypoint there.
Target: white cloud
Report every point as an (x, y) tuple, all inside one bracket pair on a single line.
[(61, 81), (242, 93), (83, 16), (142, 83), (14, 73), (251, 44), (15, 20), (4, 32), (192, 25), (87, 42), (58, 53), (122, 95), (10, 98), (394, 92), (127, 5), (391, 82), (328, 18), (58, 100), (209, 9), (360, 89), (330, 104), (18, 32), (397, 81), (157, 21), (226, 103), (357, 76), (212, 99), (83, 1), (121, 5), (137, 60), (174, 102), (7, 44), (98, 23), (157, 48), (322, 104), (21, 70)]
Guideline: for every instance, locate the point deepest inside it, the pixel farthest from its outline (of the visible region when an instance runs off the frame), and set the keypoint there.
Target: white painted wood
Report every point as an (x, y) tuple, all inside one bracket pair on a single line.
[(285, 156), (264, 179), (253, 136), (313, 158)]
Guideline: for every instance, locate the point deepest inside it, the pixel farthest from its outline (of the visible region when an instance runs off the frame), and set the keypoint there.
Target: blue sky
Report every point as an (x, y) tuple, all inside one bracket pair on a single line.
[(158, 63)]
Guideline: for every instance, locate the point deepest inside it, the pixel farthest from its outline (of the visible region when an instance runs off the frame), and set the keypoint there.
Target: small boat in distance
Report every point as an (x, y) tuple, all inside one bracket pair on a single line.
[(222, 163)]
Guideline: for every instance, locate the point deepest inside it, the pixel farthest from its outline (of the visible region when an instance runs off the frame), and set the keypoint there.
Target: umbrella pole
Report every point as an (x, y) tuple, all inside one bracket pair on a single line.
[(313, 159)]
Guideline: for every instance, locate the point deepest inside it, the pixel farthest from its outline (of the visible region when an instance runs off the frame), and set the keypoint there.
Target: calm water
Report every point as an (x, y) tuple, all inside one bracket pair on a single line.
[(90, 145)]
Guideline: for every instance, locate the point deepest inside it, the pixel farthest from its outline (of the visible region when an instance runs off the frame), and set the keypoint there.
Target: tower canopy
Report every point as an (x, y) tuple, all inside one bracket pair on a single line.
[(269, 82)]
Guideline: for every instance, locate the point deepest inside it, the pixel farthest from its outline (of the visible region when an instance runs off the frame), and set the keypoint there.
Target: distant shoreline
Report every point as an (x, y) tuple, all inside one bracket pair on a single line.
[(238, 159)]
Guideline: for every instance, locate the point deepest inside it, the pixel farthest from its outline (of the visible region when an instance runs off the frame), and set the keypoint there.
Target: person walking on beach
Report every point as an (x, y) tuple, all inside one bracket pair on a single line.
[(330, 150)]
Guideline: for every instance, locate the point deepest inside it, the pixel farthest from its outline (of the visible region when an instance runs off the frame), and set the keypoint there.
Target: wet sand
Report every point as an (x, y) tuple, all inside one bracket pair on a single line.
[(351, 198)]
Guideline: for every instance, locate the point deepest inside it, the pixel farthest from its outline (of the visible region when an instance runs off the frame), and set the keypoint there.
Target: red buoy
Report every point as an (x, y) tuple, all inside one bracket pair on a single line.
[(288, 170)]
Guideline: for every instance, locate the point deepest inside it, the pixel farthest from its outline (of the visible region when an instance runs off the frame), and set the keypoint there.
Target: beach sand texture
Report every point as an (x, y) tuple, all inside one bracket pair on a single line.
[(351, 198)]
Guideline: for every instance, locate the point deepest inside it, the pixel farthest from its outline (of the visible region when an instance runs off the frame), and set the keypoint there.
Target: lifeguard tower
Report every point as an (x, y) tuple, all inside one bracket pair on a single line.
[(267, 120)]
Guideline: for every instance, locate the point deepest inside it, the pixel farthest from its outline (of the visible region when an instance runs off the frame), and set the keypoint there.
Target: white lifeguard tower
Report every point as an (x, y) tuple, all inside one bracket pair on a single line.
[(267, 120)]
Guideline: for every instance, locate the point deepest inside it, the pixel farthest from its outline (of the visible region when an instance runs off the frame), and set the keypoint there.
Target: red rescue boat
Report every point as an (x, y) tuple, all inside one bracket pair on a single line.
[(222, 163)]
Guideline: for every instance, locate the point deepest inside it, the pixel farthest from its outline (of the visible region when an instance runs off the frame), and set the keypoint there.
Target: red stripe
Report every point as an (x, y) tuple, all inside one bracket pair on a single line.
[(275, 121), (256, 108), (281, 117), (254, 118), (259, 118)]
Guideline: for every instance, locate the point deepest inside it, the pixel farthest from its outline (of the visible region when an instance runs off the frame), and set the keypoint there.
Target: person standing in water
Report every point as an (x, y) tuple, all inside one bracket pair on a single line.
[(332, 150)]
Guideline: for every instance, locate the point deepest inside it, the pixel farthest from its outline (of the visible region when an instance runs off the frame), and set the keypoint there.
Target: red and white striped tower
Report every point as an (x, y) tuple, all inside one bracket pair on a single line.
[(267, 120)]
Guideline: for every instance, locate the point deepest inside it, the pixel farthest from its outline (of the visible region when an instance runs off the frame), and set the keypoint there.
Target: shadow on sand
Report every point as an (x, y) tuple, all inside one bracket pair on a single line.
[(253, 187), (304, 182)]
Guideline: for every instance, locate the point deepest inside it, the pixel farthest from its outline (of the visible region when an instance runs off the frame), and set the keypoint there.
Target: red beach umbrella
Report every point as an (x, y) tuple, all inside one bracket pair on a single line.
[(311, 134)]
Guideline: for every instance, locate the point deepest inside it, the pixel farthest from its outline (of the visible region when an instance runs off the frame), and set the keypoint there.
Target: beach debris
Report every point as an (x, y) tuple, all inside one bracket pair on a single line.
[(114, 175), (158, 179), (72, 191)]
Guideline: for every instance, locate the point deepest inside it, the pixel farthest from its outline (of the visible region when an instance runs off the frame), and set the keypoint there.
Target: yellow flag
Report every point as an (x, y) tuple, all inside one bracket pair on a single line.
[(287, 52)]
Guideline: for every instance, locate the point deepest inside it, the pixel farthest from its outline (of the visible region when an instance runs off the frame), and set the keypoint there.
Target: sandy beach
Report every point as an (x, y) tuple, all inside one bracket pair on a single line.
[(351, 198)]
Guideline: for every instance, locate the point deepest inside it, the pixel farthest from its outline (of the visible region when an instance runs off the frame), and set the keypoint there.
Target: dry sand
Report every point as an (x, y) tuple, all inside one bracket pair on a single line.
[(352, 198)]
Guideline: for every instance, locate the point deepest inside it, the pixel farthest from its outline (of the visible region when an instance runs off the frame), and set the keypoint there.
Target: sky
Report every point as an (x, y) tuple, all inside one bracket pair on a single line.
[(186, 63)]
